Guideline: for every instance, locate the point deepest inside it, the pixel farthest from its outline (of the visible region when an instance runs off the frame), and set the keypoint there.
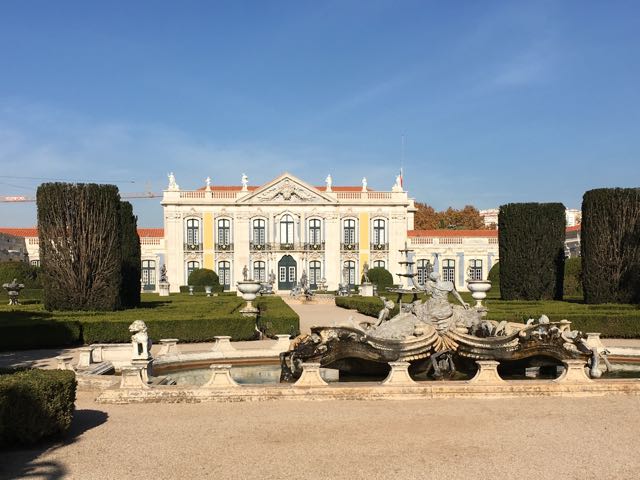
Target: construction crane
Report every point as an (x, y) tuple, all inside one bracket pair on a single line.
[(26, 199)]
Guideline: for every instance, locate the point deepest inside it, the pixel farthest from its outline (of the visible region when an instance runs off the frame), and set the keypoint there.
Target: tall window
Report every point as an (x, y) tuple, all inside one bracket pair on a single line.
[(286, 229), (259, 231), (259, 271), (191, 266), (350, 271), (224, 274), (193, 231), (475, 269), (379, 264), (148, 274), (314, 231), (424, 269), (379, 232), (224, 231), (349, 231), (315, 274), (449, 271)]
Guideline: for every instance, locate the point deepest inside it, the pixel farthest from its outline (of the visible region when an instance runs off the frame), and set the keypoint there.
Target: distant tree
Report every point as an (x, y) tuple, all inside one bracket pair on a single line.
[(531, 242), (80, 250), (468, 218), (610, 245), (425, 217), (131, 261)]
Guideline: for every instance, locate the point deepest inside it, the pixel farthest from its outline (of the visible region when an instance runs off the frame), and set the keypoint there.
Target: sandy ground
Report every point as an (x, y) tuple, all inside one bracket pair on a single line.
[(541, 438)]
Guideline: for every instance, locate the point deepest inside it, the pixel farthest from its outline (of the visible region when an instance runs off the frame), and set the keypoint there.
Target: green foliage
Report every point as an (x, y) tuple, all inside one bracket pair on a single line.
[(203, 277), (35, 404), (531, 238), (80, 251), (22, 271), (130, 270), (494, 275), (573, 277), (276, 317), (610, 245), (381, 278), (370, 306)]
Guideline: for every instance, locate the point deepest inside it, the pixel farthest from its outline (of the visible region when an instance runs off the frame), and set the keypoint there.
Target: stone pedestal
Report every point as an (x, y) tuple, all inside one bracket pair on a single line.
[(487, 372), (366, 290), (85, 357), (168, 346), (145, 366), (64, 362), (574, 372), (310, 376), (132, 378), (163, 289), (282, 343), (399, 374), (593, 340), (220, 377), (222, 344)]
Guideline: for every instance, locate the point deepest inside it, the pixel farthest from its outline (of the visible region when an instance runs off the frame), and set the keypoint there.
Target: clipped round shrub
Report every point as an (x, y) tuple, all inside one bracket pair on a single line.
[(573, 276), (494, 275), (22, 271), (202, 277), (381, 278)]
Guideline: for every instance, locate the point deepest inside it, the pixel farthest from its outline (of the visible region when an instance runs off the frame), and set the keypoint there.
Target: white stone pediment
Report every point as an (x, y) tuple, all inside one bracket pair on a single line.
[(287, 189)]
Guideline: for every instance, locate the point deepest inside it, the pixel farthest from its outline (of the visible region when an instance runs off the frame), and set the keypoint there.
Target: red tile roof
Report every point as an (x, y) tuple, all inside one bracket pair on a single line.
[(33, 232), (151, 232), (575, 228), (453, 233)]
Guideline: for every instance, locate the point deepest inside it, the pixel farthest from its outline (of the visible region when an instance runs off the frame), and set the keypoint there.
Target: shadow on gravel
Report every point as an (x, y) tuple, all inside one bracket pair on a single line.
[(22, 462)]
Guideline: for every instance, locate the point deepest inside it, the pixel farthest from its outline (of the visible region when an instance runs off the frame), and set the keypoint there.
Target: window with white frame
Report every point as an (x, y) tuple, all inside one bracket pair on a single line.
[(191, 266), (475, 269), (379, 264), (350, 270), (193, 231), (224, 274), (286, 229), (315, 274), (349, 231), (449, 271), (315, 231), (259, 271), (149, 273), (259, 231), (424, 269), (224, 231), (379, 231)]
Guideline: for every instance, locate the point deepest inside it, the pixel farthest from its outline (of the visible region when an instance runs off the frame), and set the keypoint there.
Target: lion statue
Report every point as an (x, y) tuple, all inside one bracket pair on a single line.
[(140, 340)]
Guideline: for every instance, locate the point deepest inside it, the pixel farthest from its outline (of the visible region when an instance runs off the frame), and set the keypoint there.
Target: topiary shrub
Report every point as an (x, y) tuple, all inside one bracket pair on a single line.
[(573, 276), (381, 277), (610, 245), (35, 404), (22, 271), (494, 275), (531, 242), (202, 277), (131, 268)]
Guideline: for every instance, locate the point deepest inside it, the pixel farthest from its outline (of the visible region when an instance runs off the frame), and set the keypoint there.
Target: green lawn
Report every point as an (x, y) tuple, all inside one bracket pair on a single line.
[(196, 318)]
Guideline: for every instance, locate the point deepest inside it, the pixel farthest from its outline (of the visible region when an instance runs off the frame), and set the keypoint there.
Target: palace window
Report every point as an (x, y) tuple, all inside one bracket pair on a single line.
[(259, 231), (286, 229), (148, 274), (424, 269), (315, 237), (259, 271), (475, 269), (224, 274), (193, 231), (350, 271), (191, 266), (315, 274), (224, 231), (449, 271), (379, 232), (379, 264), (349, 231), (35, 263)]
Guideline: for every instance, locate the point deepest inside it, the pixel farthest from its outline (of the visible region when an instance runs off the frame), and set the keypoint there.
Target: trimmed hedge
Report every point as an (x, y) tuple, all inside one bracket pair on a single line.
[(531, 243), (130, 268), (22, 271), (35, 404), (381, 277), (573, 277), (276, 317), (203, 277), (610, 245)]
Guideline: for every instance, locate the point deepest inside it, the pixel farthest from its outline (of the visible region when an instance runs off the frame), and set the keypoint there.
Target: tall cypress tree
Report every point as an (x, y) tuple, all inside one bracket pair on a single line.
[(131, 269), (531, 242), (80, 250), (610, 245)]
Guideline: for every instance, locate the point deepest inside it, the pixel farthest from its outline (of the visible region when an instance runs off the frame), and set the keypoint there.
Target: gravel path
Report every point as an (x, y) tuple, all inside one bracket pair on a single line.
[(541, 438)]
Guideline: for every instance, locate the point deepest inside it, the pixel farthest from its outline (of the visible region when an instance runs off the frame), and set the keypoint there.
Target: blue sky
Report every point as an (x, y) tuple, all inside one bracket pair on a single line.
[(499, 101)]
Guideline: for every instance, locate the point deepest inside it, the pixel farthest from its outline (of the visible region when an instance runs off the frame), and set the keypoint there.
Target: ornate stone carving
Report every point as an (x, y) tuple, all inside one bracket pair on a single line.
[(287, 190)]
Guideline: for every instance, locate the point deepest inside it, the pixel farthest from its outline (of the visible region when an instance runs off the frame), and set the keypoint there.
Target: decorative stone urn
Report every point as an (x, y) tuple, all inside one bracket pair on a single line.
[(13, 290), (208, 289), (190, 289), (249, 289), (479, 289)]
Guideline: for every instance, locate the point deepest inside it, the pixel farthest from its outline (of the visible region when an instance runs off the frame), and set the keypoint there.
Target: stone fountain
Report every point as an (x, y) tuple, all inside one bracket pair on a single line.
[(249, 289), (13, 290)]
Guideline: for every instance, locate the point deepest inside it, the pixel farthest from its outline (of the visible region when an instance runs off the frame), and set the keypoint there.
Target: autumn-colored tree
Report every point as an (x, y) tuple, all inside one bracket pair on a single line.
[(468, 218)]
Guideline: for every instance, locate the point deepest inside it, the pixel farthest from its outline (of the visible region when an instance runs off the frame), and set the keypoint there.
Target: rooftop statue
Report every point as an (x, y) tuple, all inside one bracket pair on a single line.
[(173, 186)]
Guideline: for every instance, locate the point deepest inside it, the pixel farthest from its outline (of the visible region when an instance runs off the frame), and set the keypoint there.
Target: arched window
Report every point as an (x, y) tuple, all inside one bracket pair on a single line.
[(315, 232), (315, 274), (191, 266), (379, 264), (350, 272), (259, 231), (286, 229), (349, 231), (224, 274), (379, 232), (259, 271), (193, 232), (424, 269), (224, 232), (449, 271), (148, 274), (475, 269)]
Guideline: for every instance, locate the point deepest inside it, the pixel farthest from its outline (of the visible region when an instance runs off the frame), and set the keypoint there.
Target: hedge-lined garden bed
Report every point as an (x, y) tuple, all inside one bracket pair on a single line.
[(612, 320), (189, 318), (35, 404)]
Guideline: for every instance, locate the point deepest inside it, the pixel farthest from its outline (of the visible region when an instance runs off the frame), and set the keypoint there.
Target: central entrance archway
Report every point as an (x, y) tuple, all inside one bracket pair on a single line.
[(287, 273)]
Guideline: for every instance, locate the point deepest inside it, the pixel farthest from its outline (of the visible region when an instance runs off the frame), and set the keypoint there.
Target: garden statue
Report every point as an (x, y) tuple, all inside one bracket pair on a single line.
[(13, 290), (387, 306), (163, 273), (140, 340), (245, 273), (272, 279), (163, 285), (303, 280), (365, 273)]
